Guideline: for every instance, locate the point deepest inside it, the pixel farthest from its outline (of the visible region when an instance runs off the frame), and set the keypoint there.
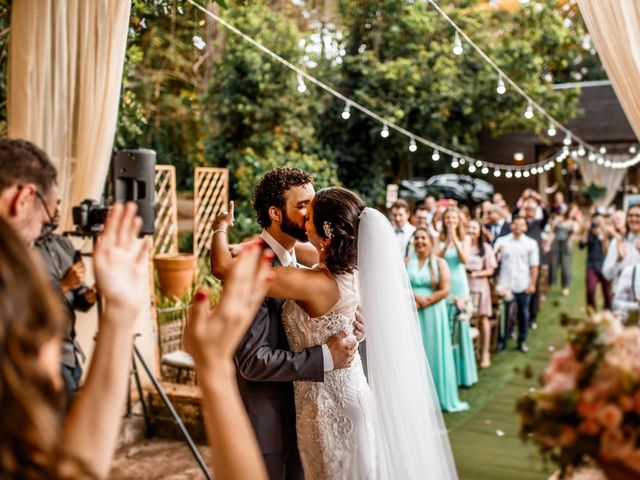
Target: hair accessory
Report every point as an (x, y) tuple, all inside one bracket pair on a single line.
[(328, 230)]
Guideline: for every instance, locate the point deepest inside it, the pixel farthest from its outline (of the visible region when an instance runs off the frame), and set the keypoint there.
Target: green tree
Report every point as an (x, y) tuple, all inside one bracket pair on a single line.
[(260, 120)]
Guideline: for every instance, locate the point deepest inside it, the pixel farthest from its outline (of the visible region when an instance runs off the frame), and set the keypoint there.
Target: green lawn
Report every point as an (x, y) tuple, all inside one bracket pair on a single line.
[(485, 439)]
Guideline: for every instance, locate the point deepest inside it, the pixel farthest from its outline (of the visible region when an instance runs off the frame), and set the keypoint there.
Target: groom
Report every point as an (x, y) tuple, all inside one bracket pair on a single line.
[(266, 367)]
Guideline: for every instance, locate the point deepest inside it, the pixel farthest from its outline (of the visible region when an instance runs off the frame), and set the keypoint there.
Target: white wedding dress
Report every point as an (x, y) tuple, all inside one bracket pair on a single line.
[(333, 418)]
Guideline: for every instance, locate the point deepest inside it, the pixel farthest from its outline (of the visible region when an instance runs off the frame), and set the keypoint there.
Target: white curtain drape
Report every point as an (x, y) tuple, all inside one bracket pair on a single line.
[(65, 72), (609, 178), (615, 29)]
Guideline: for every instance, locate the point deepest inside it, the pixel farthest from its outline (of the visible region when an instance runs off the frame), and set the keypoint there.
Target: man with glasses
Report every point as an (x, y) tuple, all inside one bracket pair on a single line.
[(28, 190)]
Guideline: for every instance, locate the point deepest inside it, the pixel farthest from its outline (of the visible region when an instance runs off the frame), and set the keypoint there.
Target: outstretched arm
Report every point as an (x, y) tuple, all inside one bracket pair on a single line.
[(220, 256)]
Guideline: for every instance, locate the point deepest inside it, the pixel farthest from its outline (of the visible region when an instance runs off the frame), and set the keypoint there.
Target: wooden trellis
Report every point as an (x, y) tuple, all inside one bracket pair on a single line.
[(165, 238), (211, 195)]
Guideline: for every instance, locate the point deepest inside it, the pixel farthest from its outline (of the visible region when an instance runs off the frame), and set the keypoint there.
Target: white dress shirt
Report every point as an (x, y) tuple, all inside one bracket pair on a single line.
[(611, 267), (404, 235), (627, 291), (288, 259), (516, 259)]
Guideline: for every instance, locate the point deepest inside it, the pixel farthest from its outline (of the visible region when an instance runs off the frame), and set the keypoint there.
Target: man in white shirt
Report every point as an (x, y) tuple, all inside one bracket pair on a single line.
[(519, 261), (400, 220), (431, 206), (626, 297)]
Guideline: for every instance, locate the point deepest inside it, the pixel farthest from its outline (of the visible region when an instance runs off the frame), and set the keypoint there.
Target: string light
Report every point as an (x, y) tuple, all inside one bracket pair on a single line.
[(501, 89), (603, 150), (472, 168), (346, 113), (632, 149), (462, 161), (528, 113), (436, 156), (454, 163), (485, 170), (592, 157), (518, 174), (457, 45), (525, 174), (384, 133), (412, 145), (581, 150), (552, 130), (496, 172), (567, 140), (508, 174), (301, 85)]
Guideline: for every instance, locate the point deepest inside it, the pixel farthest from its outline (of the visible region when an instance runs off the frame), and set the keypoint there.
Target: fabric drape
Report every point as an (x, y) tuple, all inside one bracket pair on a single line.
[(65, 73), (609, 178), (614, 27)]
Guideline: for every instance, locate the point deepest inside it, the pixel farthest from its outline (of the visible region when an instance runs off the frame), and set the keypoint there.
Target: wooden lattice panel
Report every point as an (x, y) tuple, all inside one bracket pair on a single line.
[(211, 195), (165, 238)]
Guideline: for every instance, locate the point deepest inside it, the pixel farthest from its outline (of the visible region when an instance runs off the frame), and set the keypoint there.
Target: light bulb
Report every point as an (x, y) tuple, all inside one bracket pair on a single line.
[(525, 174), (603, 150), (581, 150), (508, 174), (518, 174), (454, 163), (552, 130), (301, 85), (567, 140), (592, 157), (412, 146), (600, 160), (472, 168), (632, 149), (484, 170), (462, 161), (496, 173), (607, 163), (528, 113), (478, 163), (436, 156), (346, 113), (385, 131), (574, 153), (457, 45), (501, 89)]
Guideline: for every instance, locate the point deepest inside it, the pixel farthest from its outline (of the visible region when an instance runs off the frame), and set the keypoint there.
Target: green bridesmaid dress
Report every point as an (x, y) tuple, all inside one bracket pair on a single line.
[(436, 338), (464, 353)]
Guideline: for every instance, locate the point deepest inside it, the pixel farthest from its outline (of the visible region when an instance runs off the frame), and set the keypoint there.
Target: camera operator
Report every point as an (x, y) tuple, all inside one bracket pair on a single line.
[(596, 241), (67, 275)]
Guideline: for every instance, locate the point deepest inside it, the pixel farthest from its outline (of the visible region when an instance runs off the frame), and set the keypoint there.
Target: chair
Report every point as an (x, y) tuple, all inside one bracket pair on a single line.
[(171, 324)]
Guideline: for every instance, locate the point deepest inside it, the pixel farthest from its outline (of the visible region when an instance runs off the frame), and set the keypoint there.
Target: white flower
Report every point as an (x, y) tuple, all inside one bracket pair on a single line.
[(198, 42)]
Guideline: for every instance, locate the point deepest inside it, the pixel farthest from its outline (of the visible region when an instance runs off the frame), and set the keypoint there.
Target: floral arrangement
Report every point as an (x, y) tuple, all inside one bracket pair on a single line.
[(464, 308), (588, 409)]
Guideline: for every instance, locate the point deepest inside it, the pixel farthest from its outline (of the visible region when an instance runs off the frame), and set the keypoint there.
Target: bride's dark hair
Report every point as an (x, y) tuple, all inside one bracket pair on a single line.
[(340, 209)]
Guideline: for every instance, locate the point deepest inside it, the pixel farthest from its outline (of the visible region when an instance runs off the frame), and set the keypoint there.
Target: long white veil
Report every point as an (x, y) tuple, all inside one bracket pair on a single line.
[(411, 436)]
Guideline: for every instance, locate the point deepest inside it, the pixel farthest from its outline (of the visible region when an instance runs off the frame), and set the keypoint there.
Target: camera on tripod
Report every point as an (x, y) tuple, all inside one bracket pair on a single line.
[(89, 217)]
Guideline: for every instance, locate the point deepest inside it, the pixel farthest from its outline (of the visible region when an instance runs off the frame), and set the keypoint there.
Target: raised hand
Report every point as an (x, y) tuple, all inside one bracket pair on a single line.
[(225, 218), (213, 335), (121, 263)]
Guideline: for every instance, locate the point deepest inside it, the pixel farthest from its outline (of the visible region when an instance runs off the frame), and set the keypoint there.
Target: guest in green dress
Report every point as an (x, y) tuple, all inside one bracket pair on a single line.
[(429, 276), (455, 248)]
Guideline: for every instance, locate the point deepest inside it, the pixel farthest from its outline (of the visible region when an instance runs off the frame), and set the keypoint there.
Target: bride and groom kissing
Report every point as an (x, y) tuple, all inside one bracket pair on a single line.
[(300, 374)]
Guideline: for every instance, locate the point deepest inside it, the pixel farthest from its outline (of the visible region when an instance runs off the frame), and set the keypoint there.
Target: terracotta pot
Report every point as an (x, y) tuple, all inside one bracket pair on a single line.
[(175, 273)]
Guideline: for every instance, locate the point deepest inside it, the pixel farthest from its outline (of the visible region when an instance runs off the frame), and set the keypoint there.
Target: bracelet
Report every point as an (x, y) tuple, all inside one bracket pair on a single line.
[(220, 230)]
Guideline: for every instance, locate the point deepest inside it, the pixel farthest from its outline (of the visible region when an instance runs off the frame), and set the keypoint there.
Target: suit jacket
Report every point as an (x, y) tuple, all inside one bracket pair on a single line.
[(504, 231), (266, 369)]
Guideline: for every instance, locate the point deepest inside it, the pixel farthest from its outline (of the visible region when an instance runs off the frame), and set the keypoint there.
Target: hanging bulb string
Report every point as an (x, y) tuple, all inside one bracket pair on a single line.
[(506, 77), (379, 118)]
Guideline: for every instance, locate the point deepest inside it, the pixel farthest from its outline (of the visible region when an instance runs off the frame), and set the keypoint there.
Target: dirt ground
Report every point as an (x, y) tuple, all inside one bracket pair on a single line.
[(157, 459)]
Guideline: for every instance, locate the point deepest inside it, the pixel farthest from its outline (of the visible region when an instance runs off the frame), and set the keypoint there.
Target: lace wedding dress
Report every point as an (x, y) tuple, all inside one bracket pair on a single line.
[(333, 418)]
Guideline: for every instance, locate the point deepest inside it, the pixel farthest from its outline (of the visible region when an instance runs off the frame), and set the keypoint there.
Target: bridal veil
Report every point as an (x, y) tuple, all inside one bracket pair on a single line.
[(411, 437)]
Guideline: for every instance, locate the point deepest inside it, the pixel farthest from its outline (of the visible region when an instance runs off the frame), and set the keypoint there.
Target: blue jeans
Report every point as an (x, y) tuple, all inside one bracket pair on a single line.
[(71, 377), (523, 304)]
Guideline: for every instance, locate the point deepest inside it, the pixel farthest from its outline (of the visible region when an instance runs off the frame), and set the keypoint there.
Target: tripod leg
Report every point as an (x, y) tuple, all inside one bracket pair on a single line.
[(145, 413), (174, 414)]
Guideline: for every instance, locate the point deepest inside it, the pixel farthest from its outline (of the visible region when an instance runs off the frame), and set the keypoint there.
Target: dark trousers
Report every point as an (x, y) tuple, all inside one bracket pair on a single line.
[(595, 277), (523, 303), (284, 466)]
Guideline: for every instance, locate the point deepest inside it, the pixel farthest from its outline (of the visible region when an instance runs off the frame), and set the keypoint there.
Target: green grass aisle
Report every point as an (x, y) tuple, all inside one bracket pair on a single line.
[(485, 440)]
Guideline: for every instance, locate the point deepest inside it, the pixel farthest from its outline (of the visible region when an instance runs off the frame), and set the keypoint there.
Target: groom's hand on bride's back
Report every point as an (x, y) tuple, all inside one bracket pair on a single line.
[(343, 349)]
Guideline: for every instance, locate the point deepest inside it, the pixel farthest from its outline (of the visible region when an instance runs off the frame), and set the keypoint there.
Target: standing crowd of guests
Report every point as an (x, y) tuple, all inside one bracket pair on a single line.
[(479, 275)]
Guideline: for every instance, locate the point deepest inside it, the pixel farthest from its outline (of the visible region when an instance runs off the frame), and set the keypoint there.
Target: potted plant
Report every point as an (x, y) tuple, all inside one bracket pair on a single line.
[(175, 273)]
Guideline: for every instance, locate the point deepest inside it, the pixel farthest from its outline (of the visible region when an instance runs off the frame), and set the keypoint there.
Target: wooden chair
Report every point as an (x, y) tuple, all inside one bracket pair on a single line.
[(171, 324)]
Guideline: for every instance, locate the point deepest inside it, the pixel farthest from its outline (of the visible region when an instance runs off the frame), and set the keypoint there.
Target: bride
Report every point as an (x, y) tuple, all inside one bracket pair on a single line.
[(391, 426)]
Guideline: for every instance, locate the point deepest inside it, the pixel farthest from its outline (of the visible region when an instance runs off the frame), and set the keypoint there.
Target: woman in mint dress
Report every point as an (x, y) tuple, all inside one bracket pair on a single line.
[(429, 278), (455, 247)]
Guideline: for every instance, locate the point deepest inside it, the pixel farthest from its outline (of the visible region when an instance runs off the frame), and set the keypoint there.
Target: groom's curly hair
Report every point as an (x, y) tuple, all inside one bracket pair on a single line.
[(272, 188), (336, 215)]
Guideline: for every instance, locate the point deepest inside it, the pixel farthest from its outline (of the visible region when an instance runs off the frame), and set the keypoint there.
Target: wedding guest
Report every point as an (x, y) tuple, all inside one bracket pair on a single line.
[(596, 243), (559, 206), (562, 227), (421, 217), (431, 207), (400, 221), (519, 261), (429, 276), (626, 298), (481, 266), (455, 246), (498, 226), (623, 248)]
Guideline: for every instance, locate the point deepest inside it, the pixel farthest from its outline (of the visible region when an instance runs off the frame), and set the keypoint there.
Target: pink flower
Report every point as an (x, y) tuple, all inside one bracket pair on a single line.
[(589, 427), (567, 436), (589, 409), (610, 416), (562, 362), (560, 383)]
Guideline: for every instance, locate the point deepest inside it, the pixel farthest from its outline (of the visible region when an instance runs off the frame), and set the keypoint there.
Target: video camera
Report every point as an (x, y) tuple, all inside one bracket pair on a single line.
[(89, 217)]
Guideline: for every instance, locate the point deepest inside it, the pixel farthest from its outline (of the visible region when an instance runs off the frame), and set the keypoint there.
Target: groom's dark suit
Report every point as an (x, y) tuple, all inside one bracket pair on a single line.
[(266, 369)]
